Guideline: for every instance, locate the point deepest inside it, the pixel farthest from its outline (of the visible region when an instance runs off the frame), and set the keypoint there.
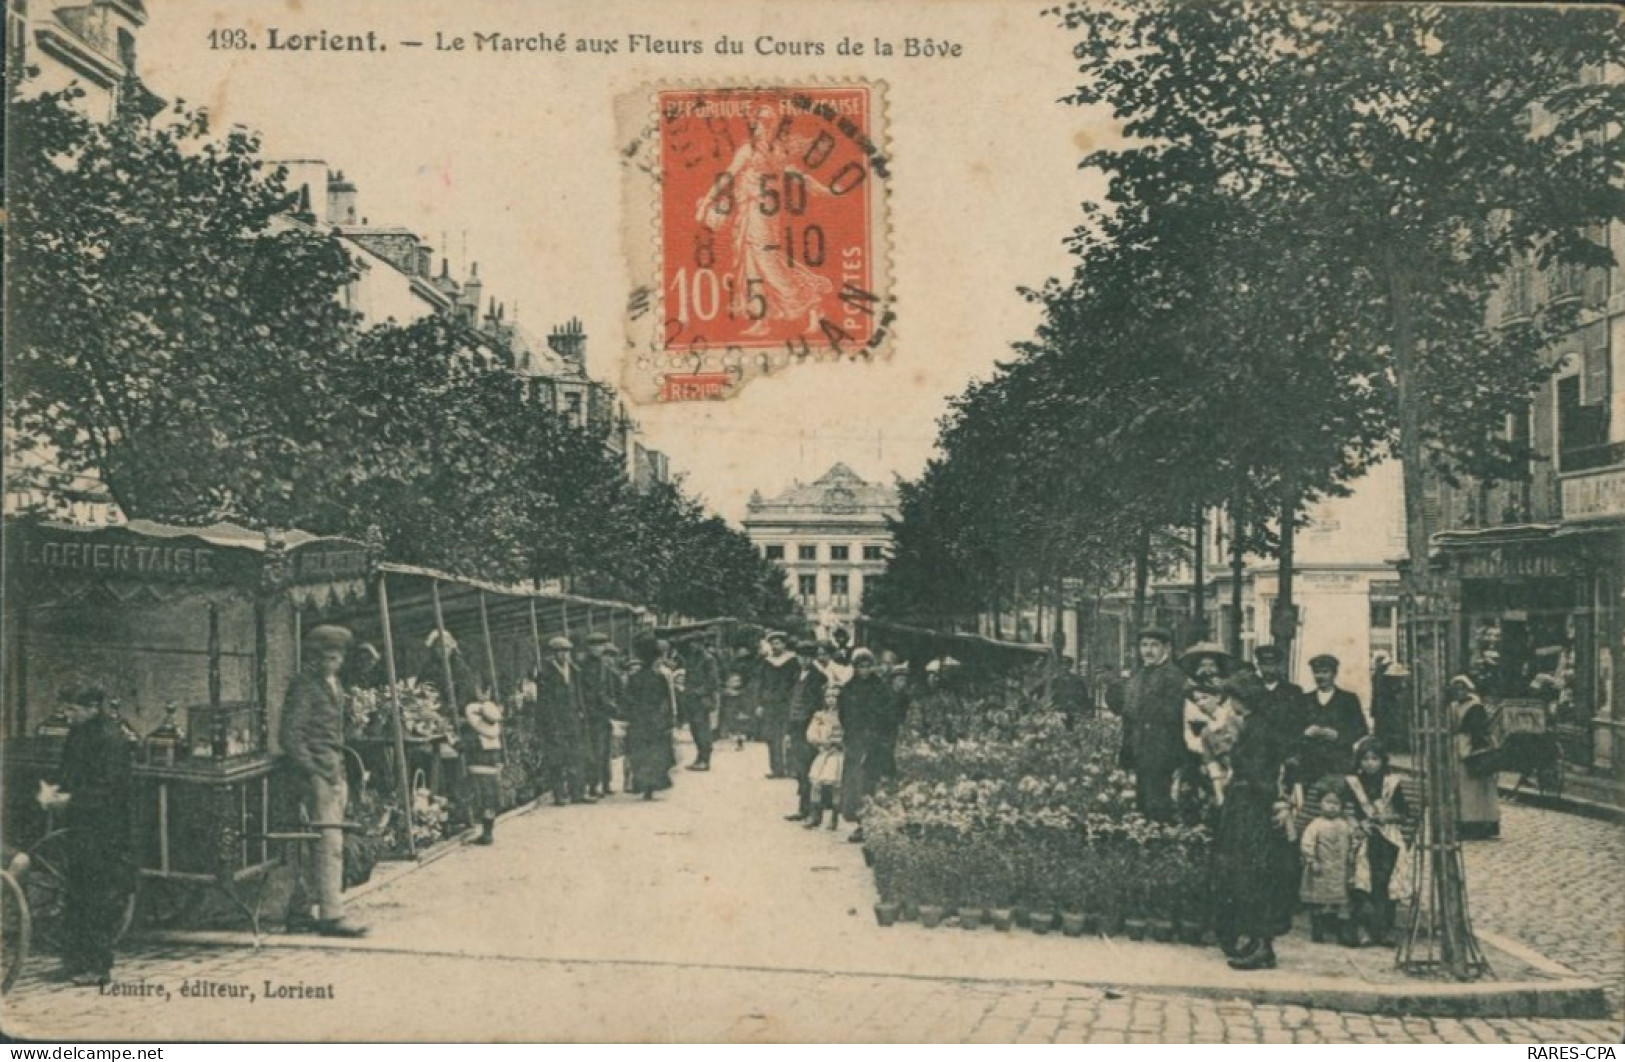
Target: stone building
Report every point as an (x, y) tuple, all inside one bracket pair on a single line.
[(830, 536)]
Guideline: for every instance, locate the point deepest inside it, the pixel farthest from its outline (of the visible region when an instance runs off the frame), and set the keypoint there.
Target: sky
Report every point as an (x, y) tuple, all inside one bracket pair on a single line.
[(510, 159)]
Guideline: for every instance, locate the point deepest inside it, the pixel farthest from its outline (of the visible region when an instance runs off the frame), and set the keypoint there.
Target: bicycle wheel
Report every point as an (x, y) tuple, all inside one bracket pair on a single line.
[(46, 887), (16, 930)]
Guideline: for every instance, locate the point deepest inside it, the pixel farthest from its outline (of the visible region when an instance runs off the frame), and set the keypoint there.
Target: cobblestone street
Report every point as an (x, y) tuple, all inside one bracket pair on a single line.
[(706, 917)]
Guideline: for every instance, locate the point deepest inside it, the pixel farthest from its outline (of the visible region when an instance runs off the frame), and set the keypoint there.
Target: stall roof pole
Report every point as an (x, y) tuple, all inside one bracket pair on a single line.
[(490, 654), (564, 617), (446, 674), (535, 633), (214, 657), (403, 780)]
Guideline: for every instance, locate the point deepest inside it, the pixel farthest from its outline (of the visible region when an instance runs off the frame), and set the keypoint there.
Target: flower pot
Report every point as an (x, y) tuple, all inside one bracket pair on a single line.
[(886, 913), (970, 918), (1112, 924), (931, 915), (1091, 924), (1192, 932), (1022, 916), (1042, 922), (1162, 929), (907, 911), (1072, 924), (1134, 928), (1002, 918)]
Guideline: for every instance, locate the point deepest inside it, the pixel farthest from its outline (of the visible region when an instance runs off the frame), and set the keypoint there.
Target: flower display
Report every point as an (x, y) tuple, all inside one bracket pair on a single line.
[(422, 713), (1022, 811)]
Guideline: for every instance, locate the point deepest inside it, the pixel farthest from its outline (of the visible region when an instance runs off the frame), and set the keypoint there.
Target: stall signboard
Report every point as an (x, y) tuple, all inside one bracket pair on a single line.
[(1597, 496), (48, 554)]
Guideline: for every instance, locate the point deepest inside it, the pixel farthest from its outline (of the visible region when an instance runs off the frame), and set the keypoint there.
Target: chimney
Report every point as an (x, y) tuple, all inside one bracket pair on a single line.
[(473, 288), (301, 208), (569, 342), (341, 196)]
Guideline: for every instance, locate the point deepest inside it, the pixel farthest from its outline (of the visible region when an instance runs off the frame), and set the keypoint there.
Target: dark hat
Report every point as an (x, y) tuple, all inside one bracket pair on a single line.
[(84, 695), (1268, 654), (1324, 660), (645, 648), (1161, 634), (597, 638), (806, 646), (1246, 687), (328, 637), (1188, 659)]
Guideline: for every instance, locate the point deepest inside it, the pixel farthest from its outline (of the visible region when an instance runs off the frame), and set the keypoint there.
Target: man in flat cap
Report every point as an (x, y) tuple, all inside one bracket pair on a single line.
[(1154, 725), (776, 679), (312, 739), (1333, 724), (806, 698), (600, 685), (561, 723), (702, 682)]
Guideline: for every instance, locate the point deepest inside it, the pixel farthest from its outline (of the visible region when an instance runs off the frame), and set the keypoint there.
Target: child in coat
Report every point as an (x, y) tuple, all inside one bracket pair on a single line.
[(1329, 847), (482, 750), (824, 735), (1382, 874)]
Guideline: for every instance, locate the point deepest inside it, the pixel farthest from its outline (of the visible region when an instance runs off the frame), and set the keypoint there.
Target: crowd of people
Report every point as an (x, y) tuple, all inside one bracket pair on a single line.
[(1306, 810)]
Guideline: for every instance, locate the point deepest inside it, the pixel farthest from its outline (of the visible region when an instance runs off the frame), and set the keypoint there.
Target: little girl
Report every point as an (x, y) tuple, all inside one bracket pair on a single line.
[(482, 752), (1382, 874), (1328, 847), (824, 734)]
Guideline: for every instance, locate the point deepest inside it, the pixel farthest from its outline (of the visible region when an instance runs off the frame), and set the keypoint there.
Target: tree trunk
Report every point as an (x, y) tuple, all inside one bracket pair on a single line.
[(1238, 567), (1439, 915), (1142, 580), (1198, 577), (1284, 621)]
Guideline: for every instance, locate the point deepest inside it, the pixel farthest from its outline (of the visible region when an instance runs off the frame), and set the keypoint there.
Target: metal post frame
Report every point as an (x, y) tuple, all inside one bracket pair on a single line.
[(490, 653), (402, 776)]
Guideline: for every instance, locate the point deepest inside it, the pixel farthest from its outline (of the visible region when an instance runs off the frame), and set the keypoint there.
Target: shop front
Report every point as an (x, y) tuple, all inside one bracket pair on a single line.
[(1536, 620), (192, 632)]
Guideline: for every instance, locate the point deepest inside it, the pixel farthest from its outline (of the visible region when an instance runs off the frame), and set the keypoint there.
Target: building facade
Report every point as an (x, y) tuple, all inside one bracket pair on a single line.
[(1537, 567), (830, 537)]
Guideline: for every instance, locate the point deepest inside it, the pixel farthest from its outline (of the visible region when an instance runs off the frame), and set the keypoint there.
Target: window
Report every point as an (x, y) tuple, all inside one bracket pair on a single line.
[(808, 585), (572, 408), (807, 553), (1582, 430), (773, 552), (838, 586), (838, 553), (873, 553), (1382, 615)]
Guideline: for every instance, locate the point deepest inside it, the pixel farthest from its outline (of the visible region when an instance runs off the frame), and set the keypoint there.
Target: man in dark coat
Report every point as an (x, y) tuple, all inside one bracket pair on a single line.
[(1333, 724), (776, 679), (600, 686), (97, 786), (1154, 725), (312, 738), (870, 719), (702, 681), (806, 697), (561, 723)]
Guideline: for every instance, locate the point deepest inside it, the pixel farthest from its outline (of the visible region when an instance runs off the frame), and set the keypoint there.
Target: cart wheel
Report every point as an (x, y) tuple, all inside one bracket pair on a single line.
[(46, 886), (16, 929)]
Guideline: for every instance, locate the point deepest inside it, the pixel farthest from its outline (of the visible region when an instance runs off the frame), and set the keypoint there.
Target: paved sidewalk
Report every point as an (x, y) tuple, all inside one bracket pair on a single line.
[(705, 916)]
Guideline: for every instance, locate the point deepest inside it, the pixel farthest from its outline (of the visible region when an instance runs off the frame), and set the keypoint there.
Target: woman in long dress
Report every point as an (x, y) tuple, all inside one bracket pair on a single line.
[(647, 706), (1480, 814), (1253, 882)]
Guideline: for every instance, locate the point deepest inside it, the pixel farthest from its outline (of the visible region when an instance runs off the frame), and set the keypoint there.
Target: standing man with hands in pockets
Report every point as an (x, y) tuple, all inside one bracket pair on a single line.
[(312, 738)]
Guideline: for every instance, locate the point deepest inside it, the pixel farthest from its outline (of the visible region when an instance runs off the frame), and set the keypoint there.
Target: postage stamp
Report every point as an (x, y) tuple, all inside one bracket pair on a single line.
[(756, 233)]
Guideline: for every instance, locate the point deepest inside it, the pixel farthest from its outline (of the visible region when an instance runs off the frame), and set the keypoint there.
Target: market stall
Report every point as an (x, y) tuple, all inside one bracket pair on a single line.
[(445, 640), (194, 633)]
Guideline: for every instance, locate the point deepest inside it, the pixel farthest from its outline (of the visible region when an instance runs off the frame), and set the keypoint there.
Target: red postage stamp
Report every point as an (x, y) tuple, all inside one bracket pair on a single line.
[(770, 245)]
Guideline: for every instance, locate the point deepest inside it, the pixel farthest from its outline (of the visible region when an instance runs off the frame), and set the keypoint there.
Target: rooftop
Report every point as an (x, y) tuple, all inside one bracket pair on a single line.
[(838, 492)]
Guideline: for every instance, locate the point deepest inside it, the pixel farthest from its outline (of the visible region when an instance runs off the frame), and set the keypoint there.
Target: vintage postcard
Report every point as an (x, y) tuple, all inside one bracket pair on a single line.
[(745, 521)]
